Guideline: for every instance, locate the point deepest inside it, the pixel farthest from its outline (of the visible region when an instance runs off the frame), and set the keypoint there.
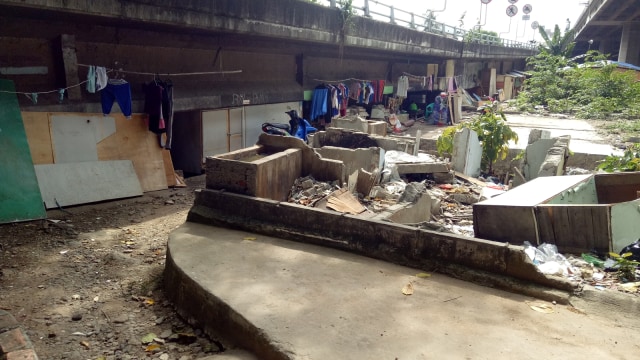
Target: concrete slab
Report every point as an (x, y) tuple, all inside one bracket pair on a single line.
[(288, 300), (86, 182)]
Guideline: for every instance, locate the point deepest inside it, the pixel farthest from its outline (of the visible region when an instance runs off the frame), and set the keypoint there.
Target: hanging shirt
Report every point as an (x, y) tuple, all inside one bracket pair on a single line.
[(402, 87), (319, 102)]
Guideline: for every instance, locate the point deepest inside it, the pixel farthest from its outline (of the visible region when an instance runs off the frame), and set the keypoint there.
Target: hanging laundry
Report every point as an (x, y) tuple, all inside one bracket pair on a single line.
[(453, 86), (116, 90), (153, 107), (101, 78), (319, 102), (91, 79), (380, 93), (354, 90), (167, 111), (403, 86)]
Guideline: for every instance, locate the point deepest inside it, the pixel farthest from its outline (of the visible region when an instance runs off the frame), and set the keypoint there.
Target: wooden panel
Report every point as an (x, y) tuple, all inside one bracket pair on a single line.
[(575, 228), (36, 125), (86, 182), (169, 172), (617, 187), (133, 141), (75, 136), (19, 194), (514, 224)]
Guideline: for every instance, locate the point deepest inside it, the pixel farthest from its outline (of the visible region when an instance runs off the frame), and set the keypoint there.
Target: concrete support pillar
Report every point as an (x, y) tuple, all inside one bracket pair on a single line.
[(70, 62), (629, 46), (606, 46), (392, 15), (367, 11)]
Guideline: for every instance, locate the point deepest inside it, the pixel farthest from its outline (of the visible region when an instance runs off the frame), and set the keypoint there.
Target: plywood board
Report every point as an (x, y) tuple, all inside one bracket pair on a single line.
[(36, 125), (575, 228), (133, 141), (19, 193), (169, 173), (75, 136), (86, 182)]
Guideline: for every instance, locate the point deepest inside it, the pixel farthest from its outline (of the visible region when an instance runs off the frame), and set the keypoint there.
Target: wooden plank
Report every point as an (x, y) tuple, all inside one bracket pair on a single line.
[(169, 172), (574, 228), (471, 180), (617, 187), (86, 182), (133, 141), (19, 194), (36, 125), (342, 200)]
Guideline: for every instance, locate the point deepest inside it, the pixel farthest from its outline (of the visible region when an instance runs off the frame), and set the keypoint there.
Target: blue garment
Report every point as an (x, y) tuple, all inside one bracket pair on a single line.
[(119, 92), (319, 103)]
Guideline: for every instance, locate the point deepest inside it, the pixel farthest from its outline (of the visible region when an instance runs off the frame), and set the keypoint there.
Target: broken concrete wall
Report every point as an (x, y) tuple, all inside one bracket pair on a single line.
[(467, 152), (312, 163), (383, 240), (416, 212), (252, 172), (353, 140), (353, 159), (555, 161), (625, 218), (352, 123)]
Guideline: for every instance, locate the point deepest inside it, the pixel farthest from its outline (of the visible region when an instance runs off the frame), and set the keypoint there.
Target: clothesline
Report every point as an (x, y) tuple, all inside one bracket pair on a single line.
[(457, 77), (170, 74), (339, 81)]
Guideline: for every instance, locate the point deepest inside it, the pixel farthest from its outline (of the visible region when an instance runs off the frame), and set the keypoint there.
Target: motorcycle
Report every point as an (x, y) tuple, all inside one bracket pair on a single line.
[(297, 127)]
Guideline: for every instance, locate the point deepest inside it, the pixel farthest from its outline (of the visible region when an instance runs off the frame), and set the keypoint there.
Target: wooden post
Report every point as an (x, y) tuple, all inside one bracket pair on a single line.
[(70, 61)]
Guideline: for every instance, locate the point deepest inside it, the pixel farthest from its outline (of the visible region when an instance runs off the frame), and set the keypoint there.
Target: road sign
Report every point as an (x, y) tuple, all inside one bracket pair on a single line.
[(485, 1), (526, 17), (513, 1), (512, 10), (527, 9), (535, 25)]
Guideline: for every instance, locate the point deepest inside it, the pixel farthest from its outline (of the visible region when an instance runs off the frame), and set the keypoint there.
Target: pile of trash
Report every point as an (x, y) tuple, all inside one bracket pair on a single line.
[(616, 272), (308, 191)]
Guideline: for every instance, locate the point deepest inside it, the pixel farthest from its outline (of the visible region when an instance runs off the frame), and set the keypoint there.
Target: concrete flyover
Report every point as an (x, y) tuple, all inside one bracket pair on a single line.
[(611, 26)]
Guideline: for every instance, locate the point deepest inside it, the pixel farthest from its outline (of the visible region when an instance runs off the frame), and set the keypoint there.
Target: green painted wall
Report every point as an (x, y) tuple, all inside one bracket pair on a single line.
[(625, 220), (584, 193), (19, 194)]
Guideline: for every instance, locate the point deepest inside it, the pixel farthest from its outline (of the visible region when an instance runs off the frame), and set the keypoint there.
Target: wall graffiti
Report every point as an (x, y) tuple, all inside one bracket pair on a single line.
[(249, 98)]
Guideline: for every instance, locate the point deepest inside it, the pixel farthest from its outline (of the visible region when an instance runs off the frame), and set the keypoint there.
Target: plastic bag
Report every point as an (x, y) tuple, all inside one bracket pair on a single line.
[(548, 260)]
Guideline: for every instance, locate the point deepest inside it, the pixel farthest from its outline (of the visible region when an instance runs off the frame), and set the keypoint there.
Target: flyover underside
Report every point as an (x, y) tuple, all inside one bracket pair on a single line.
[(280, 48)]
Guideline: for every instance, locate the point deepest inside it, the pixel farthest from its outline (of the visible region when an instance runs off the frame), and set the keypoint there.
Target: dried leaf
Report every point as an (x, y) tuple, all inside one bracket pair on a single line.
[(147, 339), (576, 310), (423, 275), (149, 302), (152, 347), (85, 344), (249, 238), (408, 289), (541, 307)]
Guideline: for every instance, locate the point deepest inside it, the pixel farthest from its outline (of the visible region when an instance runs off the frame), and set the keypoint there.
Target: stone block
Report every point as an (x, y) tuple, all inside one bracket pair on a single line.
[(422, 168), (27, 354), (467, 153), (537, 134), (7, 321), (14, 340)]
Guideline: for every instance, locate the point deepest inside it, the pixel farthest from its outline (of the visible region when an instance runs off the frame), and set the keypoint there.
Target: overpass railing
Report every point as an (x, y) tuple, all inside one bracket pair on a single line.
[(429, 25)]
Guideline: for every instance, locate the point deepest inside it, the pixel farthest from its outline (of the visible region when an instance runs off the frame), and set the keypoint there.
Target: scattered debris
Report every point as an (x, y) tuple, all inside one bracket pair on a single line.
[(408, 289)]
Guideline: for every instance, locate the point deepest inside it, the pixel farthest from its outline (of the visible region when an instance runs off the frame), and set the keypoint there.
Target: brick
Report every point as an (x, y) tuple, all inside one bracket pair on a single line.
[(7, 321), (13, 340), (27, 354)]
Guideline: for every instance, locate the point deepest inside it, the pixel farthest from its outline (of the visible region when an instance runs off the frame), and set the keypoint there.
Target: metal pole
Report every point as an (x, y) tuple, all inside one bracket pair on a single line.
[(366, 8), (392, 15), (332, 3)]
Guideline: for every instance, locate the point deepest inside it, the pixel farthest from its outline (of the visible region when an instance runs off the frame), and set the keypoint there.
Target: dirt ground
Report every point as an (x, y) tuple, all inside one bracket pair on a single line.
[(90, 286)]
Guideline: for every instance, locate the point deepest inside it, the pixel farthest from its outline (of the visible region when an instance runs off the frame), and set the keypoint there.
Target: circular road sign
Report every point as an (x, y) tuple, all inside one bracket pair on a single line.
[(512, 10), (513, 1), (535, 25), (485, 1), (527, 9)]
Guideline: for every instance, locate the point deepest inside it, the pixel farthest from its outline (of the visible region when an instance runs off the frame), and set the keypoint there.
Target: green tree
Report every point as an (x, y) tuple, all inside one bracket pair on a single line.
[(557, 43), (547, 82)]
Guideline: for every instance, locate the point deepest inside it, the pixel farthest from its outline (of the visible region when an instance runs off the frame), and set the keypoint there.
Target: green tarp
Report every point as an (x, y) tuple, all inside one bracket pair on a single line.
[(19, 192)]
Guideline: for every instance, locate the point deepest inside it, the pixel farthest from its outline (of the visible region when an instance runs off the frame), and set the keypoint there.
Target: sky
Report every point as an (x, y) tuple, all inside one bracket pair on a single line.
[(546, 12)]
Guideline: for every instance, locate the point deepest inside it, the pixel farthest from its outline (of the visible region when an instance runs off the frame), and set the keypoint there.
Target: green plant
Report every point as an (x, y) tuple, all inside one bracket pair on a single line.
[(493, 132), (557, 43), (347, 13), (626, 267), (444, 144), (629, 161)]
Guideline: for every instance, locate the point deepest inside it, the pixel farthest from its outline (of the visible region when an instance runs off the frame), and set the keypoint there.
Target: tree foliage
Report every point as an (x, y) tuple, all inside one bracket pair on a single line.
[(595, 89), (557, 44), (493, 132)]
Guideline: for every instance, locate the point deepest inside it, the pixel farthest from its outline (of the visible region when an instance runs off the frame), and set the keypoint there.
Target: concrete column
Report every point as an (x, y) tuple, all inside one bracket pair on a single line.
[(606, 46), (629, 46), (70, 61)]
